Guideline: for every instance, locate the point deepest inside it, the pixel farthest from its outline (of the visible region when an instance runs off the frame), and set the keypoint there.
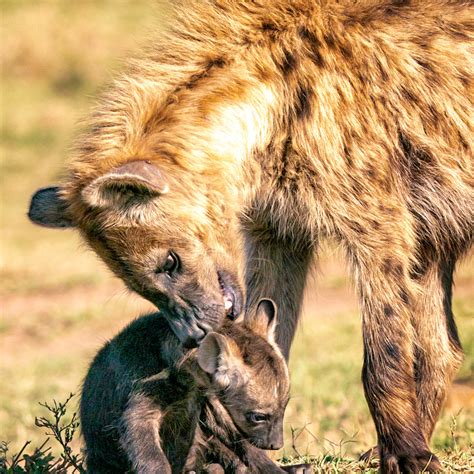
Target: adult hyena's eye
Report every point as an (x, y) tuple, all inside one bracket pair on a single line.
[(170, 266)]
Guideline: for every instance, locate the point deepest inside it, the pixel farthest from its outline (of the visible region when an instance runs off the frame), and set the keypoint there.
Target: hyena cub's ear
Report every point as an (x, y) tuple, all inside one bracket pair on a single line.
[(220, 357), (265, 319), (136, 179), (48, 209)]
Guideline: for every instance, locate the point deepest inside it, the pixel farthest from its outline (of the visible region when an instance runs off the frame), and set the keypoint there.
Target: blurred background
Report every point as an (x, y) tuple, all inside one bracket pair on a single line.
[(58, 302)]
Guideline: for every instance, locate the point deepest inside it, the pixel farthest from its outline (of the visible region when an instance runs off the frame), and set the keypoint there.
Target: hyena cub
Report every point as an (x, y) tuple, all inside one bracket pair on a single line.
[(150, 406)]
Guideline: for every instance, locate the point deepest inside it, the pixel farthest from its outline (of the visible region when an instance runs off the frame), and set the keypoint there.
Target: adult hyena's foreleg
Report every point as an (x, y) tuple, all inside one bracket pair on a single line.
[(277, 268), (382, 259), (438, 349)]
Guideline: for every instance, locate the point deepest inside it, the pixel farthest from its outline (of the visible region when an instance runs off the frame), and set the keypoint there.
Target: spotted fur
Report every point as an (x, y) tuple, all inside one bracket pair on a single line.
[(298, 119)]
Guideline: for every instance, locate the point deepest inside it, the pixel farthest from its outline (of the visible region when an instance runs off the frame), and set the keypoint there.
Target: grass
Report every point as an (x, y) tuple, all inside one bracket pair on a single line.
[(59, 304)]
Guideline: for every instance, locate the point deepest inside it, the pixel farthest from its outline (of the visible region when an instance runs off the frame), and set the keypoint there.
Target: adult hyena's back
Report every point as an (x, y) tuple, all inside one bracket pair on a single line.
[(380, 120)]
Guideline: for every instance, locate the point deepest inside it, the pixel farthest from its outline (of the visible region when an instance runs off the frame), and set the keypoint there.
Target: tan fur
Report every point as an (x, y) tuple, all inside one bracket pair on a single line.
[(351, 119)]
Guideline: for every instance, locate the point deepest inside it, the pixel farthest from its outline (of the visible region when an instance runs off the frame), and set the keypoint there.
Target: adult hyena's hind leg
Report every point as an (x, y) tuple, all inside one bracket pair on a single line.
[(382, 257), (438, 351)]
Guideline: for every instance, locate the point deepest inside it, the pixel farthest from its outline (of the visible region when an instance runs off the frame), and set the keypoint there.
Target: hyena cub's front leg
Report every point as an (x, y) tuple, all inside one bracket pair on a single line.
[(140, 437)]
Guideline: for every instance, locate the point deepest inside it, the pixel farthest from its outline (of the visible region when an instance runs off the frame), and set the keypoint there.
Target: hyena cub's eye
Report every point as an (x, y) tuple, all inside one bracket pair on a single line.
[(256, 417), (170, 266)]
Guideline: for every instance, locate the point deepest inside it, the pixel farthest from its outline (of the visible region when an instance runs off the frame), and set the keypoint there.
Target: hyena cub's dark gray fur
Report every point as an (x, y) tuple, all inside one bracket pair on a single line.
[(150, 406)]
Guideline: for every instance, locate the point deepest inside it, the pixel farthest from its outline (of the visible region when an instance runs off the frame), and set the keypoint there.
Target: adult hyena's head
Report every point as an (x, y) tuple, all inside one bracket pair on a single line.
[(165, 235)]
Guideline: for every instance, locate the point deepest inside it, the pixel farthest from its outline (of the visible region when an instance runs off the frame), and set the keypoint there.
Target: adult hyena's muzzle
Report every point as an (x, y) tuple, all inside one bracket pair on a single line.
[(201, 311)]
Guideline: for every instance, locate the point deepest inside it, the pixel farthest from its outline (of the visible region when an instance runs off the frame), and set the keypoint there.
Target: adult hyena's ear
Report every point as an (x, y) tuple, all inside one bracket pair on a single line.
[(48, 209), (221, 358), (135, 180), (265, 319)]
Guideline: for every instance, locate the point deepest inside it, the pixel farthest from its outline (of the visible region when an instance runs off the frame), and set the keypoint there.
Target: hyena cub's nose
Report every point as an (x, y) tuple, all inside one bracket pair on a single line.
[(275, 446), (275, 440)]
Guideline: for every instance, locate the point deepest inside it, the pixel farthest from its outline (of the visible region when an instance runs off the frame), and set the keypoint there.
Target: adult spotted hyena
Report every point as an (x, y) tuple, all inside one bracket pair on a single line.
[(295, 119)]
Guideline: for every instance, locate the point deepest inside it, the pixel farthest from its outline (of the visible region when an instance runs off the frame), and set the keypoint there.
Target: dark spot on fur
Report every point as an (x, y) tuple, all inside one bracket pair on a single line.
[(388, 311), (329, 40), (217, 62), (408, 95), (348, 156), (465, 79), (371, 172), (357, 228), (394, 7), (303, 103), (404, 296), (357, 188), (426, 65), (375, 225), (267, 26), (346, 50), (289, 62), (89, 148), (382, 71), (309, 37), (390, 211), (362, 77), (417, 162), (314, 46), (433, 113), (392, 267), (392, 350), (341, 95), (285, 155), (317, 58)]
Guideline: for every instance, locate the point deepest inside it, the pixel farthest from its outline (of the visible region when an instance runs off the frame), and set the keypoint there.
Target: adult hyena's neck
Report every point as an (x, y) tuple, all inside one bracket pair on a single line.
[(204, 99), (217, 130)]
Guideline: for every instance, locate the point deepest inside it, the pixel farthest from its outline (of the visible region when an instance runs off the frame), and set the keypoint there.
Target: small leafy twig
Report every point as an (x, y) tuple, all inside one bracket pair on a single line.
[(62, 433), (41, 460)]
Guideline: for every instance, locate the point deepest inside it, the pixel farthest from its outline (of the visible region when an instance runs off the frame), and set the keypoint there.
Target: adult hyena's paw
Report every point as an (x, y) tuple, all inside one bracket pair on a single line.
[(410, 463), (298, 469)]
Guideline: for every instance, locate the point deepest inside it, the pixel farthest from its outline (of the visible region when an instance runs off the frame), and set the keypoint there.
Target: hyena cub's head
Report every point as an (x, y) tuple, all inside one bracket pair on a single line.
[(249, 376), (162, 232)]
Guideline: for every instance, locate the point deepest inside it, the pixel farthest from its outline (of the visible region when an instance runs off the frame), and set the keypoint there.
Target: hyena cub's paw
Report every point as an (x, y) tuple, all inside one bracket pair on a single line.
[(214, 469), (410, 463), (298, 469)]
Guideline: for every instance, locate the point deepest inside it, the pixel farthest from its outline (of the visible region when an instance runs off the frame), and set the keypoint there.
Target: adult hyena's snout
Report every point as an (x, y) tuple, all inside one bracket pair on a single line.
[(199, 306)]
